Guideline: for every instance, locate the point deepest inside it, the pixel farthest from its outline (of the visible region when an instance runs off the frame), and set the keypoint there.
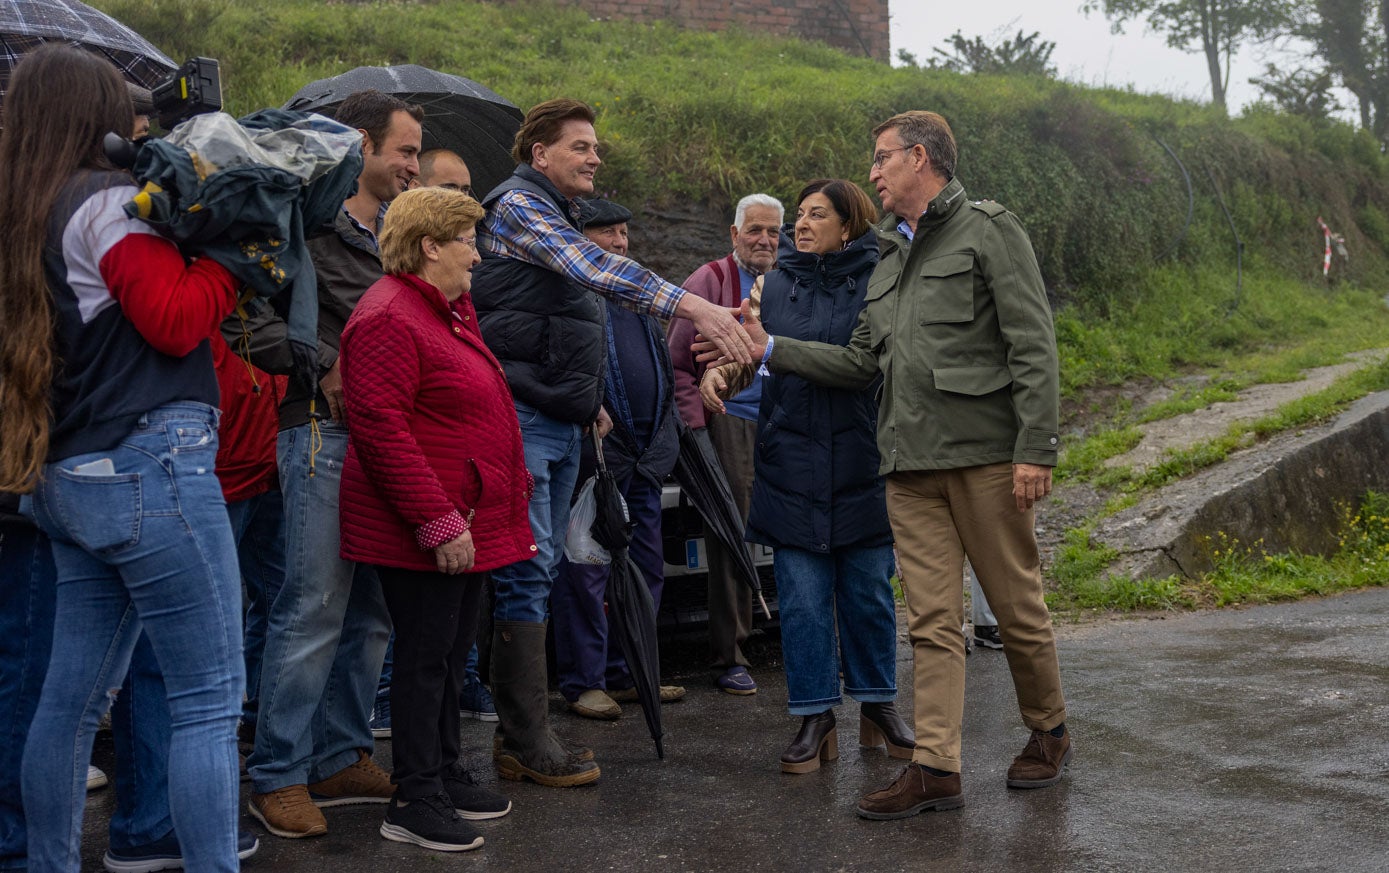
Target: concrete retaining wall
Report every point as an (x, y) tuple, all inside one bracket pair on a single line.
[(1289, 492)]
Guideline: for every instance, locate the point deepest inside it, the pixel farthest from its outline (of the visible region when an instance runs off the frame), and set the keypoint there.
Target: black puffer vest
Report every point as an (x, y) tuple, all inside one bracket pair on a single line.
[(546, 331)]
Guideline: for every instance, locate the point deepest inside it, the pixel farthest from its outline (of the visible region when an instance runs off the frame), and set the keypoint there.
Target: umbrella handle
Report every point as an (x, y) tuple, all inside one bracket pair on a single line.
[(598, 449)]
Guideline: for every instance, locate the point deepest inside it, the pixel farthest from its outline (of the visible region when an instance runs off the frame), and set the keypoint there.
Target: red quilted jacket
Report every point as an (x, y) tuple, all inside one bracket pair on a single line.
[(433, 438)]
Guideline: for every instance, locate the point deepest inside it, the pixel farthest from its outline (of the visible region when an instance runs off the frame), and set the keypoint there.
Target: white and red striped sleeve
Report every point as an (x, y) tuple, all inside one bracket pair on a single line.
[(174, 305)]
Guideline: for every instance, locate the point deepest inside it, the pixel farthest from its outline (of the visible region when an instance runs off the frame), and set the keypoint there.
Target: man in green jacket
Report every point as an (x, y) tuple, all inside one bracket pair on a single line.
[(958, 323)]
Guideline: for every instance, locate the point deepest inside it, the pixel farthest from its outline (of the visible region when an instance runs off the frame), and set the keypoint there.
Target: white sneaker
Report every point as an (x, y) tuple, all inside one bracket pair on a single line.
[(95, 778)]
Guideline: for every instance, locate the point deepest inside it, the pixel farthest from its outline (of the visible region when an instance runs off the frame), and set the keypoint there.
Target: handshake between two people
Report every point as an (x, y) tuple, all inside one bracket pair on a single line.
[(724, 376)]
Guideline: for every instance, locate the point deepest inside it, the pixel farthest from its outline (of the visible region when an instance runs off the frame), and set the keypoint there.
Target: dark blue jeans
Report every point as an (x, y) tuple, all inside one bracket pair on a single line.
[(26, 635), (258, 525)]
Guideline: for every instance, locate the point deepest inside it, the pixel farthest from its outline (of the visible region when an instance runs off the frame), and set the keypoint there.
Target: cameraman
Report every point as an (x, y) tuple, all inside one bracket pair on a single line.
[(110, 421)]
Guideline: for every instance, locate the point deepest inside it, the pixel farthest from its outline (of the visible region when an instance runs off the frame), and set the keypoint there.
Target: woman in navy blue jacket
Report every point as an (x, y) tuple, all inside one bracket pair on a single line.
[(817, 498)]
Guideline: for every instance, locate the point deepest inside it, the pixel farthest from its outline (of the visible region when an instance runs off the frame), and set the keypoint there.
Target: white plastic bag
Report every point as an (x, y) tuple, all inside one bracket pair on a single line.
[(579, 545)]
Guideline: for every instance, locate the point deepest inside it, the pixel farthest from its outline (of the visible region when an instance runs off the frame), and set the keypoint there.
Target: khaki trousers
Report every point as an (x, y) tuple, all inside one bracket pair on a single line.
[(938, 518)]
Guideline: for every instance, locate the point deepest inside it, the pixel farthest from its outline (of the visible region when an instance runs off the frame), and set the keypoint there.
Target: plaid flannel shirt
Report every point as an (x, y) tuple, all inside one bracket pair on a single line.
[(528, 228)]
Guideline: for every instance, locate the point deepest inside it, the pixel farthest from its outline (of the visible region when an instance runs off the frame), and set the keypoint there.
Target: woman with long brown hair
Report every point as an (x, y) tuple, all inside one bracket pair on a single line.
[(107, 415)]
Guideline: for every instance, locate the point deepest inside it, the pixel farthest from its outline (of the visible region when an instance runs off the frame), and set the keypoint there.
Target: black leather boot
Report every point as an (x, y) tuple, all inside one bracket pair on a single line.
[(816, 741), (879, 723)]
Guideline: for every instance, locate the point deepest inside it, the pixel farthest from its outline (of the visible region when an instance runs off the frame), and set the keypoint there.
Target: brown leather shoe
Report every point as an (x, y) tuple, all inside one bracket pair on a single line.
[(913, 791), (1041, 761), (359, 782), (288, 812), (595, 703), (669, 694)]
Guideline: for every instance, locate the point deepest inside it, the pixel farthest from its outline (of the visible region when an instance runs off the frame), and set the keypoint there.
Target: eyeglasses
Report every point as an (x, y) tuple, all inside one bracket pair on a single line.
[(466, 189), (469, 241), (880, 157)]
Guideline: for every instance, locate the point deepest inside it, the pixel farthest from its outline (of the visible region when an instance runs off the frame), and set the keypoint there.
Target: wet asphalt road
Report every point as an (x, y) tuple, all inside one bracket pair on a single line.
[(1254, 739)]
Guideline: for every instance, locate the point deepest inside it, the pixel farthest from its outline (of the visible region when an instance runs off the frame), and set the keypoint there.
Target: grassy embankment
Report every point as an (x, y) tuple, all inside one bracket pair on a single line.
[(705, 117)]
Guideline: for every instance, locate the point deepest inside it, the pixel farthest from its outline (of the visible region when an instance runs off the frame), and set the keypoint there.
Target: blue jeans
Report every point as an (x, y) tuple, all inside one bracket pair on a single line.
[(258, 525), (850, 589), (26, 636), (327, 634), (142, 729), (552, 457), (146, 548)]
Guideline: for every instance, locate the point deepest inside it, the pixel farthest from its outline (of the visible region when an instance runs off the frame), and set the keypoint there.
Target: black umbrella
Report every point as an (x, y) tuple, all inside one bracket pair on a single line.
[(459, 114), (701, 477), (27, 24), (631, 611)]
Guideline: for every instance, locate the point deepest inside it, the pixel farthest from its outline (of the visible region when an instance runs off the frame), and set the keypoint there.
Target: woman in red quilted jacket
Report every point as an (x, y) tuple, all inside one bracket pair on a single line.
[(434, 493)]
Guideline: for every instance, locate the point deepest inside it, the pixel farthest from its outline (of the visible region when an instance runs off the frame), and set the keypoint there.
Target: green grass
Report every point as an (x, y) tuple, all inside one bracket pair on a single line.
[(1086, 461), (1242, 574), (702, 118), (707, 117)]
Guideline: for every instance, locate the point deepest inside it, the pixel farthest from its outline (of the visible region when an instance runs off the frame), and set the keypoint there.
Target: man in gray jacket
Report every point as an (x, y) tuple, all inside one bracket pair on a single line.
[(958, 323)]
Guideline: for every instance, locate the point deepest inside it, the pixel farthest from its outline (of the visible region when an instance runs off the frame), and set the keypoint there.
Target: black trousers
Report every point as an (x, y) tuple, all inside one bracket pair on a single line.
[(435, 617)]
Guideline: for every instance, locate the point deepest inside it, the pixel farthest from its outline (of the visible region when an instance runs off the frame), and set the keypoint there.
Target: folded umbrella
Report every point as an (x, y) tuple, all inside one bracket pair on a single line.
[(631, 610), (702, 479)]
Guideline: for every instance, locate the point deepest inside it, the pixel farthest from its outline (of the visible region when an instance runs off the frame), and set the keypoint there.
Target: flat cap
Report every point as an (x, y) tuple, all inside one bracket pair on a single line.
[(601, 213)]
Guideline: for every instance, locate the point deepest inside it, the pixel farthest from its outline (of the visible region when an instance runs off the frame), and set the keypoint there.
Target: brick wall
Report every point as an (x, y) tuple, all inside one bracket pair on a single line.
[(858, 27)]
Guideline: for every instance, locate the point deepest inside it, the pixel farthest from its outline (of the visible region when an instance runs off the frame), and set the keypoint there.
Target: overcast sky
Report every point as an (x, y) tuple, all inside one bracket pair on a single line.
[(1086, 51)]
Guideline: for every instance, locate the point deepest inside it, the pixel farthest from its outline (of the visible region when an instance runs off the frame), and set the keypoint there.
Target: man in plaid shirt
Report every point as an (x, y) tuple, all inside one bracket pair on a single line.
[(535, 296)]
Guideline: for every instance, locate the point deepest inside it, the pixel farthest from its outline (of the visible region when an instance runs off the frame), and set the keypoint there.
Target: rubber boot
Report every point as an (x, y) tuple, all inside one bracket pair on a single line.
[(528, 749)]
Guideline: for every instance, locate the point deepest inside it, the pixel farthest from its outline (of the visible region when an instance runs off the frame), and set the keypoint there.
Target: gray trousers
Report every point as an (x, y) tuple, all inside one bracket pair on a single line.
[(730, 601)]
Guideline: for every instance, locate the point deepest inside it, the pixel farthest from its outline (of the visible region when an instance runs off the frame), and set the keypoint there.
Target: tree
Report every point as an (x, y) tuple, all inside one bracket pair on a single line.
[(1021, 56), (1299, 92), (1352, 37), (1217, 28)]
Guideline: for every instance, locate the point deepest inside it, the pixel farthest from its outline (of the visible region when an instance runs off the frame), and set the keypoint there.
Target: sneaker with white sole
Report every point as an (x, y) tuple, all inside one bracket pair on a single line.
[(381, 719), (430, 822), (470, 799), (95, 778), (986, 635), (165, 854)]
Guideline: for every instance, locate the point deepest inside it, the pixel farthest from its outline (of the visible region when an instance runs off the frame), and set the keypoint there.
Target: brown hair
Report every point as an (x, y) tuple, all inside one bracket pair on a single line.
[(929, 130), (372, 111), (850, 203), (438, 213), (544, 122), (61, 103)]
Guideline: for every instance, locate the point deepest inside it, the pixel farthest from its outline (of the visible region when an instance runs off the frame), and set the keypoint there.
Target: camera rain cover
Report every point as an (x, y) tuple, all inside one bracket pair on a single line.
[(247, 193)]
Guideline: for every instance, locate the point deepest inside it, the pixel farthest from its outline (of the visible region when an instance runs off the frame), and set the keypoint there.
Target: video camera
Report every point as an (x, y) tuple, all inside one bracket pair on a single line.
[(194, 88)]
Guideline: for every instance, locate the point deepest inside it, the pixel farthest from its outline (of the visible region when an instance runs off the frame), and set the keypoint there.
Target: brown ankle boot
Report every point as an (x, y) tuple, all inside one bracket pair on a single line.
[(816, 741)]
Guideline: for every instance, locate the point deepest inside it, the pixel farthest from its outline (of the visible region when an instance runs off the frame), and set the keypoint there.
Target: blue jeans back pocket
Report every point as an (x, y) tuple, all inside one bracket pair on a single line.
[(100, 513)]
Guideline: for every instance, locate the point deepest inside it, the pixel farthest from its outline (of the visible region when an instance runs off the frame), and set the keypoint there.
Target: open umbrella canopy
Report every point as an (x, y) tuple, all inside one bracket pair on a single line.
[(459, 114), (27, 24)]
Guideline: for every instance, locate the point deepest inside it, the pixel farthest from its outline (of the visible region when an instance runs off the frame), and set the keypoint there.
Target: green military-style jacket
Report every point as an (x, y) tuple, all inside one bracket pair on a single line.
[(958, 323)]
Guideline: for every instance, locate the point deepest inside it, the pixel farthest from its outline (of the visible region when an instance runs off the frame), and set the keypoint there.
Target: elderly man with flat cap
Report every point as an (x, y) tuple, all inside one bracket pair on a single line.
[(640, 451)]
